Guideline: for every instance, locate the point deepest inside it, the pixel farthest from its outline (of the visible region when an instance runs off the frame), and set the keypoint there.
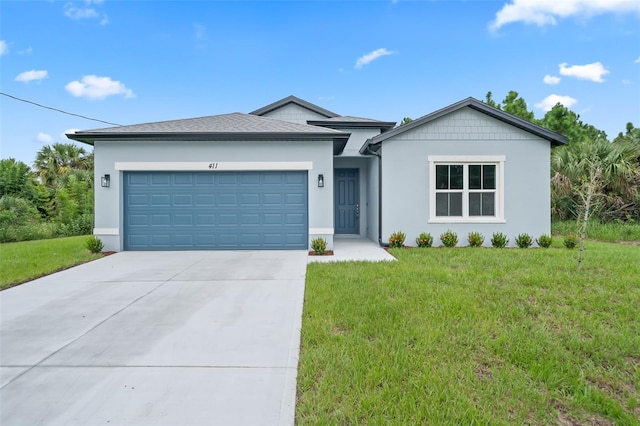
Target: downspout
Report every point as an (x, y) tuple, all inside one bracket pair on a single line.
[(377, 154)]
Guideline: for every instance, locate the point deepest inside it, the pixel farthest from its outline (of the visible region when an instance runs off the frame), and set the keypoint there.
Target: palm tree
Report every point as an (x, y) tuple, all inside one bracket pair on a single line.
[(59, 159), (588, 170)]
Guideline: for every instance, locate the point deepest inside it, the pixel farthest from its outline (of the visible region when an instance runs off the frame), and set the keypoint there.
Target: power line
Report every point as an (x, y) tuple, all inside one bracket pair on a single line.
[(57, 110)]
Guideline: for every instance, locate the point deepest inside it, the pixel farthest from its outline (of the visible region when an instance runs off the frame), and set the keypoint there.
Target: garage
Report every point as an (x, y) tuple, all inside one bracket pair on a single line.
[(226, 210)]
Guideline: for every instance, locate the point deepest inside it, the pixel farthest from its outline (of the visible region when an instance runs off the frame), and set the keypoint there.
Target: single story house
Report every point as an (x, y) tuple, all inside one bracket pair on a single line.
[(292, 171)]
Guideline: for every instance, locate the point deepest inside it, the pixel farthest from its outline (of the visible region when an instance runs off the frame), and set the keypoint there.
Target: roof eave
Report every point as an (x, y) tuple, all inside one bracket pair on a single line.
[(383, 125), (168, 136)]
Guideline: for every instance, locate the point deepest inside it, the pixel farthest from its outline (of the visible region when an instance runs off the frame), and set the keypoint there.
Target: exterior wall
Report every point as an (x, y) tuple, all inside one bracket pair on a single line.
[(356, 140), (363, 166), (294, 114), (406, 186), (109, 201), (372, 197)]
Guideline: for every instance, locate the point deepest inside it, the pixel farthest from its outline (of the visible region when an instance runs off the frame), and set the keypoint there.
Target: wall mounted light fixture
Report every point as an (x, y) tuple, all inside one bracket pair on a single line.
[(105, 181), (320, 181)]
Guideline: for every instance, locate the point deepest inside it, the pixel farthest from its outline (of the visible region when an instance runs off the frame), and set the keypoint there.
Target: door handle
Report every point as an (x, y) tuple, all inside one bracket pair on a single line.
[(357, 210)]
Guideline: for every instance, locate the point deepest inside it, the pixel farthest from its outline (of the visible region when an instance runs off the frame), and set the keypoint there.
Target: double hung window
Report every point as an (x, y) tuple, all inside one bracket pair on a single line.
[(466, 189)]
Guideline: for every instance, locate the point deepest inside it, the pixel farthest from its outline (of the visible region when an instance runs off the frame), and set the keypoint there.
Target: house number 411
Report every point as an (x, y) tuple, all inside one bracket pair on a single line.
[(213, 166)]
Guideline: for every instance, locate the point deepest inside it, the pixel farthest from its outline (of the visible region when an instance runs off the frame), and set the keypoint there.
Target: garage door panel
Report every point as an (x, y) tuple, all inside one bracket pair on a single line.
[(215, 210)]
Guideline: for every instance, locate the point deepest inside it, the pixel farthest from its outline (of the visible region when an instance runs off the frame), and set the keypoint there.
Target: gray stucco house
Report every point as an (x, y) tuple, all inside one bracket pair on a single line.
[(292, 171)]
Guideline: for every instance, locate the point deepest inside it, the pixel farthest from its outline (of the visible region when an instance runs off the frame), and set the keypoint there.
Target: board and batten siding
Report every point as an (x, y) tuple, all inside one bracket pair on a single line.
[(109, 201), (466, 132)]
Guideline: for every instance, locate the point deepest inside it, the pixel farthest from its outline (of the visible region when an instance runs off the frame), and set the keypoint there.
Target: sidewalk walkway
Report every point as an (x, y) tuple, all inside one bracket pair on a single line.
[(354, 247)]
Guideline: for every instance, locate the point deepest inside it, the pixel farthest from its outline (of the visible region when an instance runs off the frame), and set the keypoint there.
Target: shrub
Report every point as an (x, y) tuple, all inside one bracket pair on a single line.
[(94, 245), (524, 240), (396, 240), (544, 241), (449, 238), (499, 240), (571, 241), (319, 245), (424, 240), (475, 239)]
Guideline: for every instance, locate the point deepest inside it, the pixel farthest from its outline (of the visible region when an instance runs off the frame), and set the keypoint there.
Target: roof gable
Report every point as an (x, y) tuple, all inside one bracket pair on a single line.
[(295, 100), (554, 138)]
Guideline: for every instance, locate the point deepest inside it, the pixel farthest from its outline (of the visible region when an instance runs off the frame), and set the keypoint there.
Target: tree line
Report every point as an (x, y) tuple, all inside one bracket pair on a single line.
[(52, 199), (591, 177)]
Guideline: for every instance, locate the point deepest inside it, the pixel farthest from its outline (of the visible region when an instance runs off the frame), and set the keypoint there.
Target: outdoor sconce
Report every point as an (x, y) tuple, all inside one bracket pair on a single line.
[(105, 181), (320, 181)]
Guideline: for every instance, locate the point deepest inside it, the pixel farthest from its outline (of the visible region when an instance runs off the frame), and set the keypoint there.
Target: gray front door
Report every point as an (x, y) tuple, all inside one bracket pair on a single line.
[(347, 201)]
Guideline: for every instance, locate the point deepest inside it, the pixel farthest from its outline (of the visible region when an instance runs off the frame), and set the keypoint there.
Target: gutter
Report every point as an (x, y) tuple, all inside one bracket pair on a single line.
[(368, 150)]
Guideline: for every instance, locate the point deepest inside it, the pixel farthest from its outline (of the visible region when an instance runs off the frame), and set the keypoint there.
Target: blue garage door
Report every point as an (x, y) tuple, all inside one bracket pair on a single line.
[(215, 210)]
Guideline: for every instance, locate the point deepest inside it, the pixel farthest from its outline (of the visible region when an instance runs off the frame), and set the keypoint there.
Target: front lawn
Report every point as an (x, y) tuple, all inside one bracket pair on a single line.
[(473, 336), (24, 261)]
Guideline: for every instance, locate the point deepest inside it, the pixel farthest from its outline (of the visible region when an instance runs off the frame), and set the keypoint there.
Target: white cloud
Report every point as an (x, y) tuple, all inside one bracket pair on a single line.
[(637, 61), (4, 49), (44, 138), (550, 79), (94, 87), (73, 12), (85, 12), (32, 75), (550, 101), (592, 72), (372, 56), (64, 134), (545, 12)]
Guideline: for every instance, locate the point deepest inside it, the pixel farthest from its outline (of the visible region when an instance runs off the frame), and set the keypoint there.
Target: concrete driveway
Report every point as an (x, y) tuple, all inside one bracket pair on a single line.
[(155, 338)]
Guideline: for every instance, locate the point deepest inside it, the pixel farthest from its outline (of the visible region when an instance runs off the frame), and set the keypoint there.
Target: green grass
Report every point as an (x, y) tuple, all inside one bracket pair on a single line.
[(24, 261), (473, 336), (610, 232)]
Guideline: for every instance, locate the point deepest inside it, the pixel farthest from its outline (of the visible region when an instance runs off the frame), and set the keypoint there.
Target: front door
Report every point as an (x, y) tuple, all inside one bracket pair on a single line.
[(347, 201)]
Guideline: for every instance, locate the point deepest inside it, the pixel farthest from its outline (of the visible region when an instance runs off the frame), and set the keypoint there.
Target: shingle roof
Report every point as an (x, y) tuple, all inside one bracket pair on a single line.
[(225, 123), (295, 100), (345, 122), (234, 126), (553, 137)]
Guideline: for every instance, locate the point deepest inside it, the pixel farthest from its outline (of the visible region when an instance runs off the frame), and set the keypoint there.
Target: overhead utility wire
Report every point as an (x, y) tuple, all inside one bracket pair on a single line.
[(58, 110)]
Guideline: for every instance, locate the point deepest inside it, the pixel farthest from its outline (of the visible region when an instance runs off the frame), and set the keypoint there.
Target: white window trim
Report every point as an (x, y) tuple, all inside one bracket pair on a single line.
[(498, 160), (212, 166)]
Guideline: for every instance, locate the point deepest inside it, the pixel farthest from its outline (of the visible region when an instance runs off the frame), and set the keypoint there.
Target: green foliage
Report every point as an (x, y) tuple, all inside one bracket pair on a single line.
[(396, 240), (609, 232), (406, 120), (570, 241), (15, 211), (424, 240), (59, 159), (449, 238), (512, 104), (544, 241), (524, 240), (499, 240), (94, 244), (319, 245), (475, 239)]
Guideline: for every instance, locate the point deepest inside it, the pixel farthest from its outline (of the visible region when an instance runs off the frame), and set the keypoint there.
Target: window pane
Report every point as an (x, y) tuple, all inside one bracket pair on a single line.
[(442, 177), (488, 204), (442, 204), (475, 177), (455, 204), (474, 204), (456, 180), (489, 181)]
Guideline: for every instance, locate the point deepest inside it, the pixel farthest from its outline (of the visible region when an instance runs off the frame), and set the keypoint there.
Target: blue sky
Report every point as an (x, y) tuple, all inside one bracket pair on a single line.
[(130, 62)]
